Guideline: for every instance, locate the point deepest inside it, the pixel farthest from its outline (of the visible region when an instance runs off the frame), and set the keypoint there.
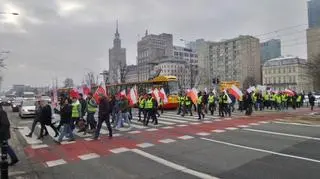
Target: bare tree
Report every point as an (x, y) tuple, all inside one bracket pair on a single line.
[(90, 79), (249, 81), (68, 83), (313, 70), (123, 72)]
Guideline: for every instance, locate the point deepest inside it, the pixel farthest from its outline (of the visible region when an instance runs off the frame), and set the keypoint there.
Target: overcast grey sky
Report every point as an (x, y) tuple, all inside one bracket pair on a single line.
[(66, 38)]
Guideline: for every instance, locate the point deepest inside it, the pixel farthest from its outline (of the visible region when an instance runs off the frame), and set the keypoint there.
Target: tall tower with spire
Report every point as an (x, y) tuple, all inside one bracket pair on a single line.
[(117, 59)]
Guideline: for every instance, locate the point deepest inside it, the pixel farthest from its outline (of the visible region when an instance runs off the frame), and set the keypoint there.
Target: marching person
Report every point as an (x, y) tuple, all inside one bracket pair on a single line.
[(83, 107), (103, 116), (141, 106), (311, 100), (200, 106), (180, 102), (76, 112), (91, 110), (36, 120), (211, 101), (5, 135), (226, 106), (221, 107), (65, 119), (46, 118), (161, 105), (149, 105), (188, 106)]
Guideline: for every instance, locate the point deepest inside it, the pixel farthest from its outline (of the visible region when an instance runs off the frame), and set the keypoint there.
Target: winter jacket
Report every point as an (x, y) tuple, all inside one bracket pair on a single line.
[(4, 126)]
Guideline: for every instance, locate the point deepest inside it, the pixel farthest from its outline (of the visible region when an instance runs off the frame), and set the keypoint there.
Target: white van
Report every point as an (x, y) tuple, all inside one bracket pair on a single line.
[(29, 95)]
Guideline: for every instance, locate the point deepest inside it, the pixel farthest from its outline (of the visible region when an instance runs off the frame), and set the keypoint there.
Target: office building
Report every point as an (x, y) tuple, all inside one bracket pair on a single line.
[(270, 49)]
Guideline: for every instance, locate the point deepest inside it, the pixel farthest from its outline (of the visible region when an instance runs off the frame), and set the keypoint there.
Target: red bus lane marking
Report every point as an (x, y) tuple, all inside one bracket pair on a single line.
[(41, 155)]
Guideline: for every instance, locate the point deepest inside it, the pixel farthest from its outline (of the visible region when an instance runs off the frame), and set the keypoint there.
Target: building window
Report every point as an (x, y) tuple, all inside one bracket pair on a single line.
[(294, 79), (294, 69), (289, 69), (279, 70)]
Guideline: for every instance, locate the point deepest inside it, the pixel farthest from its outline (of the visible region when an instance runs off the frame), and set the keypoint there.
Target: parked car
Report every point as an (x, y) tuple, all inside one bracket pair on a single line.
[(27, 109), (16, 104)]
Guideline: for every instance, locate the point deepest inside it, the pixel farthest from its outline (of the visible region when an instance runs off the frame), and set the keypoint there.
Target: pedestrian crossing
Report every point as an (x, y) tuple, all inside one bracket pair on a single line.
[(166, 119)]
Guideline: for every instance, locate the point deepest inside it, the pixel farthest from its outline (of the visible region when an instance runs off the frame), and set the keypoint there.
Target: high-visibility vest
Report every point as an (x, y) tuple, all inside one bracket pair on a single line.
[(266, 97), (149, 104), (273, 97), (241, 98), (211, 99), (141, 103), (278, 99), (91, 108), (254, 97), (182, 99), (225, 99), (188, 102), (284, 97), (75, 110), (220, 100), (299, 98), (200, 100)]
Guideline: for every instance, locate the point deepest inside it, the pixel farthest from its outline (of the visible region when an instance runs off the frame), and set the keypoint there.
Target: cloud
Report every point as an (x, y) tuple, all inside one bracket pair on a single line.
[(63, 37)]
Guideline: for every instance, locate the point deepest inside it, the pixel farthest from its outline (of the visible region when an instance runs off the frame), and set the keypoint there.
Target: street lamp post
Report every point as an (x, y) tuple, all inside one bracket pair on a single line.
[(4, 146)]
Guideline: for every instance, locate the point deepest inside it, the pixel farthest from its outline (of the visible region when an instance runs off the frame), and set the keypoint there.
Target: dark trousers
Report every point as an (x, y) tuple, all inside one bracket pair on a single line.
[(11, 152), (149, 114), (43, 127), (180, 108), (227, 108), (161, 108), (221, 110), (249, 109), (200, 112), (187, 109), (130, 113), (141, 110), (91, 121), (212, 107), (74, 122), (34, 124), (154, 117), (102, 119)]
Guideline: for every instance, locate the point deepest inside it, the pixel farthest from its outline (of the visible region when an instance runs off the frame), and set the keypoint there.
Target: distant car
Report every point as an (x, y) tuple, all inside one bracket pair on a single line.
[(27, 109), (46, 98), (16, 104)]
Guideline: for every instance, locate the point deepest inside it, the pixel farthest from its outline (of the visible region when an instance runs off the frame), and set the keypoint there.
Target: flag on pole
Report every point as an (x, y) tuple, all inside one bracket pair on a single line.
[(229, 99), (123, 93), (236, 92), (99, 92), (156, 95), (163, 96), (55, 97), (133, 96), (193, 94)]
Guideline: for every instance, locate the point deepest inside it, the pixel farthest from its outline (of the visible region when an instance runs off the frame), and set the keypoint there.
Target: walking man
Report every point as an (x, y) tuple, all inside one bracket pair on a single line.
[(65, 119), (91, 110), (103, 116)]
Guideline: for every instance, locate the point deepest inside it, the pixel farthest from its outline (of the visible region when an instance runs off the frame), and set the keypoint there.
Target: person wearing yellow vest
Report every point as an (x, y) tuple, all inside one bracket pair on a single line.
[(299, 100), (221, 109), (241, 104), (284, 103), (200, 106), (212, 104), (225, 104), (91, 109), (141, 104), (273, 102), (76, 112), (180, 103), (278, 101), (186, 105), (149, 105)]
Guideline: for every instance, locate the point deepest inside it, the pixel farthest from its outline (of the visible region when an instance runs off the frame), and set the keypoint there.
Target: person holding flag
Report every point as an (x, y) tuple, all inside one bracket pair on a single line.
[(141, 104), (200, 104), (212, 104)]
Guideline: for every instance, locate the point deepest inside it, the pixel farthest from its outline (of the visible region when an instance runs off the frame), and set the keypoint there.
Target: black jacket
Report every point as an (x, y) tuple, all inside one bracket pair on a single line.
[(83, 106), (104, 107), (46, 115), (65, 113), (4, 126)]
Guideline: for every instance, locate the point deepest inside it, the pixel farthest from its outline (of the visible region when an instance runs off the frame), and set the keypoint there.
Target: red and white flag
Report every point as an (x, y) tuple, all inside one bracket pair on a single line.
[(288, 92), (236, 92), (193, 94), (99, 92), (133, 96), (123, 93), (163, 96), (74, 93), (156, 94)]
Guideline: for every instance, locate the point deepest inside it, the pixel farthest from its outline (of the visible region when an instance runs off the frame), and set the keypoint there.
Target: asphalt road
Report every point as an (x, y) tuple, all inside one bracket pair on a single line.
[(237, 147)]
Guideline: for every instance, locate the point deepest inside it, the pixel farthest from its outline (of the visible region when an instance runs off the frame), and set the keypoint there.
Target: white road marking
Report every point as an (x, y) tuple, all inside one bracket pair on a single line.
[(152, 129), (119, 150), (145, 145), (166, 141), (39, 146), (182, 125), (55, 163), (254, 124), (165, 122), (243, 126), (172, 120), (89, 156), (231, 128), (296, 124), (217, 120), (67, 142), (185, 137), (116, 135), (30, 140), (134, 132), (186, 118), (283, 134), (88, 139), (227, 118), (138, 126), (263, 122), (14, 173), (173, 165), (207, 121), (168, 127), (203, 134), (262, 150), (218, 131), (195, 123)]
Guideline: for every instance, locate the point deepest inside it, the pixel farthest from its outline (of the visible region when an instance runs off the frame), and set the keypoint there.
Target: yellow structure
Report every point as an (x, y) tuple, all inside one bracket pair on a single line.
[(224, 85)]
